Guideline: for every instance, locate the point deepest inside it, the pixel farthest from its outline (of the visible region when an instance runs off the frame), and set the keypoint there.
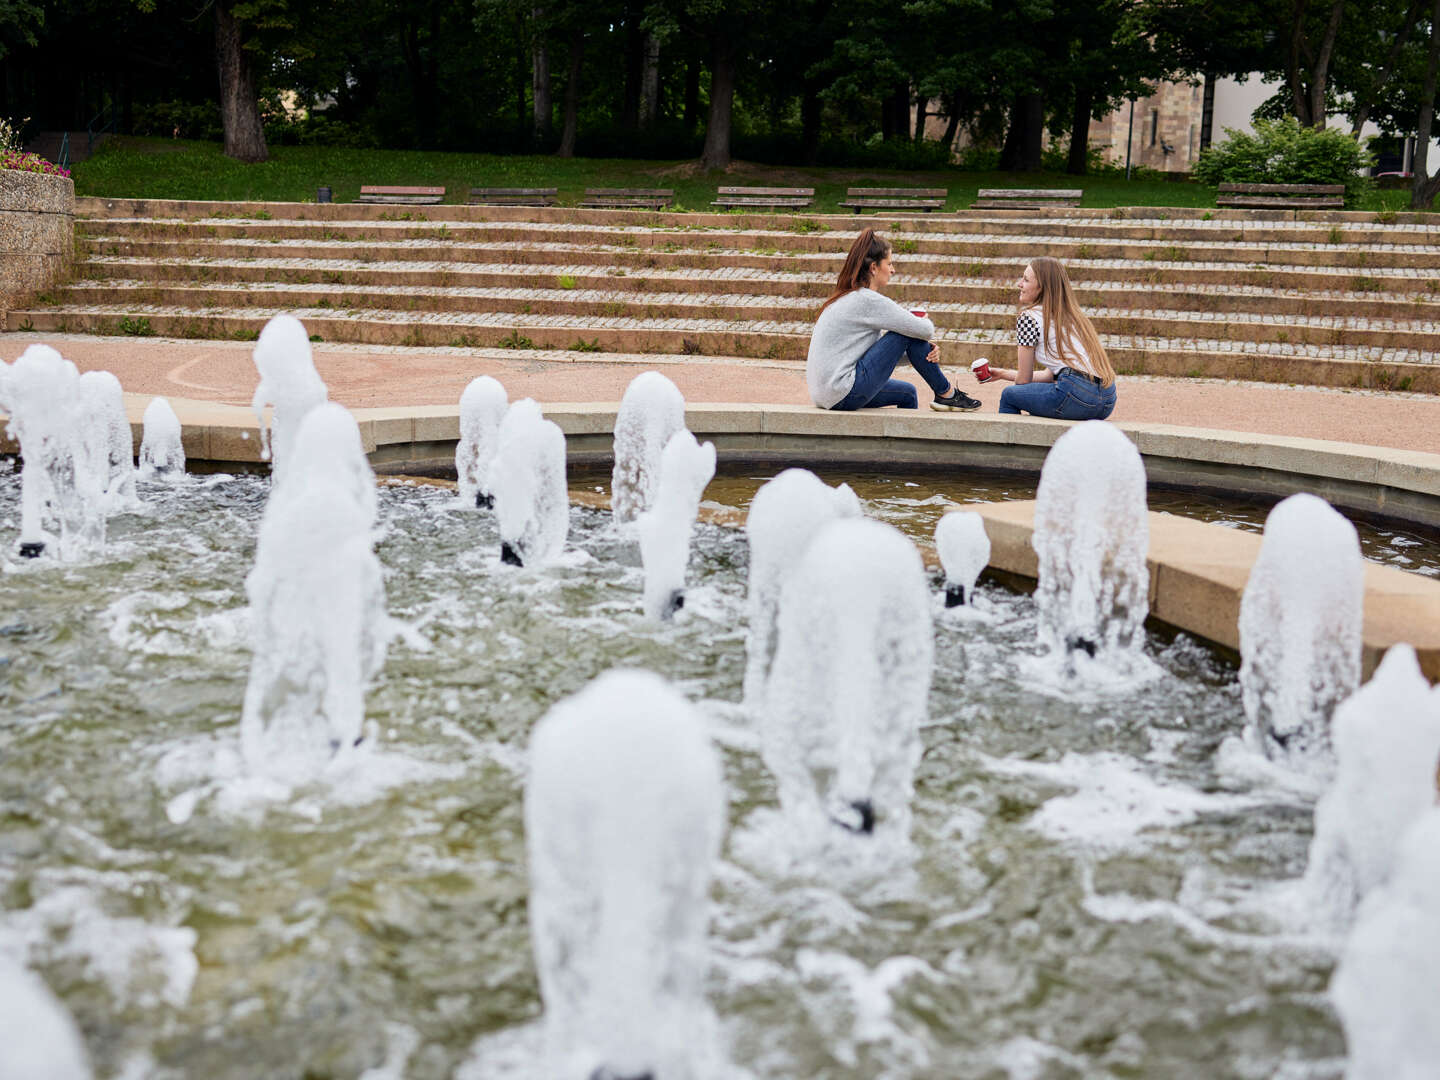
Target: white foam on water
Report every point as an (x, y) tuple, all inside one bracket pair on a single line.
[(162, 453), (527, 479), (38, 1039), (401, 1040), (289, 382), (482, 409), (853, 1004), (650, 413), (784, 517), (665, 527), (1024, 1058), (1300, 631)]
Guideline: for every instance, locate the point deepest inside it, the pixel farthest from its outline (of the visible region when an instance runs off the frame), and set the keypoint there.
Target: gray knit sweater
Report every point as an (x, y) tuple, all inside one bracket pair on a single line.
[(843, 333)]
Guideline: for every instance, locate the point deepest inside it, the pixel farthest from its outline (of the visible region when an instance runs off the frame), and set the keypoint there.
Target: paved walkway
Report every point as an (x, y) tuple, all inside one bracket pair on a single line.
[(361, 376)]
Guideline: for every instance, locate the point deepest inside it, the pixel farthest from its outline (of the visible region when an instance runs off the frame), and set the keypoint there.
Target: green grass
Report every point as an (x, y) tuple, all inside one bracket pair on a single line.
[(177, 169)]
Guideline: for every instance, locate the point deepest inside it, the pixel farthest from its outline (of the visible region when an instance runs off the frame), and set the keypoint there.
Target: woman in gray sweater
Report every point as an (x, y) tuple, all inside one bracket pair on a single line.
[(861, 335)]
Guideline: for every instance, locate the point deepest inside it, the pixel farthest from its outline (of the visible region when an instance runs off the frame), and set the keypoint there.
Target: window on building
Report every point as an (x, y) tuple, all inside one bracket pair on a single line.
[(1154, 125)]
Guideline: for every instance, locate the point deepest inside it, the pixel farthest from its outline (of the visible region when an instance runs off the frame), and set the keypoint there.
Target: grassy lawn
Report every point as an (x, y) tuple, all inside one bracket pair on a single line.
[(175, 169)]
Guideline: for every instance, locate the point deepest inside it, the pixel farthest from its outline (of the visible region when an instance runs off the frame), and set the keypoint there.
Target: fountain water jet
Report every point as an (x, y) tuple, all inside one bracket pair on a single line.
[(685, 468), (527, 478), (38, 1039), (964, 551), (1387, 742), (288, 381), (624, 813), (162, 454), (650, 413), (318, 625), (1092, 531), (1300, 631), (482, 409), (850, 681), (105, 435), (784, 517)]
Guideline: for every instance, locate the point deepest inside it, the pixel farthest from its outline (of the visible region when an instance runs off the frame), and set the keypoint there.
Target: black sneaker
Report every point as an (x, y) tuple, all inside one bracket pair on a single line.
[(956, 399)]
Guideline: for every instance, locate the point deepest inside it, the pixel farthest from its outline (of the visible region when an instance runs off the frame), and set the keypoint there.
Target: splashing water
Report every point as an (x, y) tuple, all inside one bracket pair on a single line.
[(1387, 744), (685, 468), (482, 409), (1092, 532), (652, 410), (1300, 631), (317, 606), (38, 1039), (851, 678), (105, 435), (527, 478), (964, 551), (162, 453), (1384, 986), (289, 382), (784, 517), (624, 813)]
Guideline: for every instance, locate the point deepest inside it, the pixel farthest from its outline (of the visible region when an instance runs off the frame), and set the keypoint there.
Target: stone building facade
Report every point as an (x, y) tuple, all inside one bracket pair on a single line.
[(1166, 133)]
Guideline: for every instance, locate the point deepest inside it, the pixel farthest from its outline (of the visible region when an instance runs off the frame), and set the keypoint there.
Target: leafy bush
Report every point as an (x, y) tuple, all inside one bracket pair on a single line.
[(179, 120), (1284, 152), (317, 129)]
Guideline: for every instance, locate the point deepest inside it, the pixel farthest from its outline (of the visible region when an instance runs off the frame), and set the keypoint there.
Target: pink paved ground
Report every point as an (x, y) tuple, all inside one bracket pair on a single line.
[(359, 377)]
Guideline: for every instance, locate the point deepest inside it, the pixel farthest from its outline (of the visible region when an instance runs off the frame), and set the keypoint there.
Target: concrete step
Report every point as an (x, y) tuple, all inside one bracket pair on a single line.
[(115, 237), (1228, 325), (1321, 365), (908, 287)]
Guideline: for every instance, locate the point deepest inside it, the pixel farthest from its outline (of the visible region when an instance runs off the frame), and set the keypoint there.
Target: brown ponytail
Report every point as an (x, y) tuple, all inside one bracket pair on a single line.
[(869, 248)]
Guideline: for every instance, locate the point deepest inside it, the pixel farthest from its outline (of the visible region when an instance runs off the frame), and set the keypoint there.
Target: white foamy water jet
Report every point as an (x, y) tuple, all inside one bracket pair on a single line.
[(62, 494), (964, 551), (650, 413), (685, 468), (1387, 746), (1092, 532), (482, 409), (106, 439), (784, 517), (1300, 631), (624, 813), (318, 625), (289, 382), (527, 479), (162, 454), (848, 688), (38, 1039), (1385, 985)]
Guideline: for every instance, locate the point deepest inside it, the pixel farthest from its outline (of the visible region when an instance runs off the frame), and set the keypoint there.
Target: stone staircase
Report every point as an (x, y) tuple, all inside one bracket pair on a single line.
[(1321, 299)]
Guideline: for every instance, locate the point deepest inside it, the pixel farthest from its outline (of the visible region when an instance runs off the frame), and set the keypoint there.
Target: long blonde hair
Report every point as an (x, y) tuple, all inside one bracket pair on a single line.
[(1064, 319), (869, 248)]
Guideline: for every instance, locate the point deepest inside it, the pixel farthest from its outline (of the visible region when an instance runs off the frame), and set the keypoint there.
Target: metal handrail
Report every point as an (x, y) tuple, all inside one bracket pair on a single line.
[(64, 155), (92, 134)]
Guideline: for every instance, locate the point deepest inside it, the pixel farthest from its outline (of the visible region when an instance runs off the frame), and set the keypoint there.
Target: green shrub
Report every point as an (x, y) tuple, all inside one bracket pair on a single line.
[(179, 119), (1285, 152)]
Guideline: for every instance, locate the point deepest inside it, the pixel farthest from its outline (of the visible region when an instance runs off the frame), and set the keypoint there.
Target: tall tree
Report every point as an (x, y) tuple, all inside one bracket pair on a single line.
[(239, 90), (1425, 187)]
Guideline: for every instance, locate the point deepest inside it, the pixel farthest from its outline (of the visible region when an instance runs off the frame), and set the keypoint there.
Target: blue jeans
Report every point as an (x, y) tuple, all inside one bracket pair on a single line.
[(1071, 396), (874, 389)]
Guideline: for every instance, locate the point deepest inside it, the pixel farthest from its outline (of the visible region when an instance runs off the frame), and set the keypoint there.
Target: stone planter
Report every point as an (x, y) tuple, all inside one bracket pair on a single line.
[(37, 233)]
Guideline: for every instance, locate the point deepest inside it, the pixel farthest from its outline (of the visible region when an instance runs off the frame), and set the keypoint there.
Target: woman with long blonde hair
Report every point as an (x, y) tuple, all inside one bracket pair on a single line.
[(861, 335), (1061, 368)]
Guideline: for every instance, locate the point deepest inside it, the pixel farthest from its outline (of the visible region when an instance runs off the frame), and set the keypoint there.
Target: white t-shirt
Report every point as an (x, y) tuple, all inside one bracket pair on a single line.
[(1030, 330)]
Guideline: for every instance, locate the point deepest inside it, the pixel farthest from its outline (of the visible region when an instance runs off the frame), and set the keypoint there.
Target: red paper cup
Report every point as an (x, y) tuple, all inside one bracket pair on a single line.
[(981, 369), (918, 312)]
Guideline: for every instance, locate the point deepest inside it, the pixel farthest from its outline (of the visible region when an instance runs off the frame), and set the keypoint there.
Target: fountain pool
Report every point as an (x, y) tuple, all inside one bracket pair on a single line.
[(1088, 894)]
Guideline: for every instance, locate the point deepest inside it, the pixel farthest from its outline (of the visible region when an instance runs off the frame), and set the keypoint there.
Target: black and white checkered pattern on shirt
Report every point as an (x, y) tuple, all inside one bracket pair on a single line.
[(1027, 330)]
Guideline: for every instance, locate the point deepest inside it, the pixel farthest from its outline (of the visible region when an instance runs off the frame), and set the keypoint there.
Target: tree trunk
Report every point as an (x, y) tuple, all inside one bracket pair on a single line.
[(634, 72), (650, 84), (952, 122), (1010, 155), (239, 101), (1320, 73), (540, 83), (811, 109), (716, 154), (895, 113), (572, 97), (922, 109), (1207, 112), (1424, 187), (1080, 132), (692, 93)]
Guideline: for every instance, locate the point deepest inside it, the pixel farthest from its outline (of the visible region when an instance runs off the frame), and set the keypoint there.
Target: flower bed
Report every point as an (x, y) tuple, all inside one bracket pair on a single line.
[(23, 162)]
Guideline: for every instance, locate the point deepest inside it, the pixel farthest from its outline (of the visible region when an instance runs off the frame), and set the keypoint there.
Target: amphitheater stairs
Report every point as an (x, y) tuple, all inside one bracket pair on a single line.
[(1318, 299)]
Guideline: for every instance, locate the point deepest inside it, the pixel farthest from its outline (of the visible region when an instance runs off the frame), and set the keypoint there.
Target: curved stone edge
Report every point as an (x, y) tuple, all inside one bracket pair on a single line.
[(37, 234)]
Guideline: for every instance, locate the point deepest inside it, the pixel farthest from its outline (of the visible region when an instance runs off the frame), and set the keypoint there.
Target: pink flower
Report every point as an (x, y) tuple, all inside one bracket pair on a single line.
[(15, 159)]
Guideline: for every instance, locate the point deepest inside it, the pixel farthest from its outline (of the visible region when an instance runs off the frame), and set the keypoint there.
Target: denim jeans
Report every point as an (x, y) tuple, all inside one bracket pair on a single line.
[(874, 389), (1070, 397)]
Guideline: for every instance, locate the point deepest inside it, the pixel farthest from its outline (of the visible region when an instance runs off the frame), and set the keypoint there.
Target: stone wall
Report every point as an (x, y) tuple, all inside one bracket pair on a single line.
[(37, 233)]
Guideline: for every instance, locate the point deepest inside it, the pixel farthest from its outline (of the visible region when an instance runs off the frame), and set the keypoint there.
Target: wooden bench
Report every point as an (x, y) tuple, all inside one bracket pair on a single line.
[(405, 196), (628, 198), (1281, 196), (514, 196), (1025, 198), (779, 198), (860, 199)]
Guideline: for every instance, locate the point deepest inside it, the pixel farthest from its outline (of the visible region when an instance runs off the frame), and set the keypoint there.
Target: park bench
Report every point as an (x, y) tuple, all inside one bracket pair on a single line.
[(628, 198), (514, 196), (860, 199), (1281, 196), (775, 198), (404, 196), (1025, 198)]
